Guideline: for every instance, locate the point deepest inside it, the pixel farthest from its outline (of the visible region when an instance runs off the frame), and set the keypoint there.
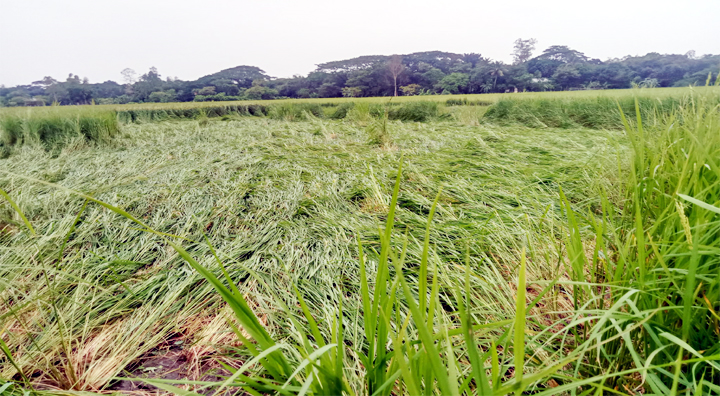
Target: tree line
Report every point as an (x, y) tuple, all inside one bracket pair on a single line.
[(422, 73)]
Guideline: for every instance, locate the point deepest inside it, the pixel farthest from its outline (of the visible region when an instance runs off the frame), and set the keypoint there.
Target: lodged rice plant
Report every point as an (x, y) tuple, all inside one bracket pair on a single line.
[(283, 207), (509, 260)]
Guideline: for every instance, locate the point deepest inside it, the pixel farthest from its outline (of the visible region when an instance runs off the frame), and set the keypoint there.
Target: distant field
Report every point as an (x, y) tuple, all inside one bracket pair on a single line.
[(478, 98)]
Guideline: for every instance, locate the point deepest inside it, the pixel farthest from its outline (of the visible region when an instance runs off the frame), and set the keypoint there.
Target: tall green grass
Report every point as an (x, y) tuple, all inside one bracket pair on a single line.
[(152, 114), (55, 128), (596, 113), (288, 111), (656, 258)]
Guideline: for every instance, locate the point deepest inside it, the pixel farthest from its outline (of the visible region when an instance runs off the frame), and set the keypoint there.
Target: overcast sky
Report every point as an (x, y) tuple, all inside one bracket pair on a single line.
[(189, 39)]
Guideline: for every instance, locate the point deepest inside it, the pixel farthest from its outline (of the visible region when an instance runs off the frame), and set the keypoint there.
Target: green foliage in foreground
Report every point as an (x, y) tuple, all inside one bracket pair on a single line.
[(645, 303), (287, 201), (641, 261), (664, 249)]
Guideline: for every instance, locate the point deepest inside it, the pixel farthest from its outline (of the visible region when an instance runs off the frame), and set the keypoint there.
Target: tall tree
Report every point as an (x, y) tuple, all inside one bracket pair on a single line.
[(396, 67), (564, 54), (128, 75), (472, 58), (497, 69), (45, 82), (523, 50)]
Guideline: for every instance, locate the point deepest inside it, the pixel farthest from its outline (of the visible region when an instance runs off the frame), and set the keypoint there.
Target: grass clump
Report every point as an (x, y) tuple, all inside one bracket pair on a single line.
[(655, 257), (467, 102), (53, 129), (295, 111), (595, 113), (341, 111), (414, 111)]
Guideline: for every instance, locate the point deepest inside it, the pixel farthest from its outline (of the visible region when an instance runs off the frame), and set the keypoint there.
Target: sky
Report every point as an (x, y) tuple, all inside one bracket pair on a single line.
[(189, 39)]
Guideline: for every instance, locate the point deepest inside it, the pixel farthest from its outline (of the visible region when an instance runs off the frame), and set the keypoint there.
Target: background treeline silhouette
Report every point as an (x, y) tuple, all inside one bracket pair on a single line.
[(420, 73)]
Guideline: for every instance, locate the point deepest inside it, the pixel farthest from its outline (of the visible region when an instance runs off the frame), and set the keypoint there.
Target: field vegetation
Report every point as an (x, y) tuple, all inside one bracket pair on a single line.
[(555, 244)]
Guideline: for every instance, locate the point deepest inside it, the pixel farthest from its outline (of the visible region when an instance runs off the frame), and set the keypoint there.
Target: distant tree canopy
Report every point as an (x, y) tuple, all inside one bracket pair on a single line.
[(434, 72)]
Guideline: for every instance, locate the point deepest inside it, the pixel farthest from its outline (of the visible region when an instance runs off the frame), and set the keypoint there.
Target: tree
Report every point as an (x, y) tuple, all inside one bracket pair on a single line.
[(162, 96), (472, 58), (523, 50), (45, 82), (205, 91), (567, 76), (149, 82), (396, 67), (454, 83), (243, 76), (431, 77), (351, 92), (128, 75), (497, 69), (329, 90), (564, 54), (260, 92), (410, 89)]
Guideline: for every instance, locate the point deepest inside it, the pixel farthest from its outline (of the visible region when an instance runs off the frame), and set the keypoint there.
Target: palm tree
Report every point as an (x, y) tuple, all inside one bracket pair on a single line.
[(496, 70)]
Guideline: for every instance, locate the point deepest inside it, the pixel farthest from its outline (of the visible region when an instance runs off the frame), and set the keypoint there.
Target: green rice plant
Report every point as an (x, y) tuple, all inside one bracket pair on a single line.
[(379, 133), (162, 113), (414, 111), (295, 111), (55, 128), (596, 113), (202, 118), (467, 102), (342, 111), (468, 115), (360, 113), (283, 209), (661, 245), (421, 353), (11, 130)]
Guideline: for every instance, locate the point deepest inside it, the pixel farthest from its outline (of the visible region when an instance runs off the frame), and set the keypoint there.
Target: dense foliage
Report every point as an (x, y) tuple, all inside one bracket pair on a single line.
[(420, 73)]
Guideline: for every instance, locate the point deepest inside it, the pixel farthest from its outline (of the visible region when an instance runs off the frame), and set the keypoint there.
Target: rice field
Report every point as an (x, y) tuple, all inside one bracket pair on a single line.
[(540, 245), (483, 99)]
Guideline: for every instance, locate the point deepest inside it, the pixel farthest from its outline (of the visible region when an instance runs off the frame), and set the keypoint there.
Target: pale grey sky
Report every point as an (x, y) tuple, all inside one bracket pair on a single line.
[(189, 39)]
